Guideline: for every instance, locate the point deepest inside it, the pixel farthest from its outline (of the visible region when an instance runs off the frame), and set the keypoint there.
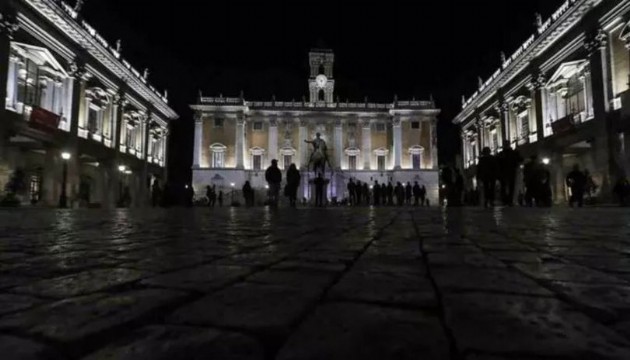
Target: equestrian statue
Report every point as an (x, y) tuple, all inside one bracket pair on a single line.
[(319, 156)]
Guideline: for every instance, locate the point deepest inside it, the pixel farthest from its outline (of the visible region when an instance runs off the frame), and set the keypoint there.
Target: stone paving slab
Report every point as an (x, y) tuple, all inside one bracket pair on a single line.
[(178, 342), (75, 319), (335, 283), (340, 331), (81, 283), (529, 325)]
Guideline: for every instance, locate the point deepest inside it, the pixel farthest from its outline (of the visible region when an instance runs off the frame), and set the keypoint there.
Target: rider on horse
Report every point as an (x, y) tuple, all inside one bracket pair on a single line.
[(319, 154)]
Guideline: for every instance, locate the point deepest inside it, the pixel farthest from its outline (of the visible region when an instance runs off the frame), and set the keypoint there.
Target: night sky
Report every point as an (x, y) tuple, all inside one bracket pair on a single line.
[(409, 48)]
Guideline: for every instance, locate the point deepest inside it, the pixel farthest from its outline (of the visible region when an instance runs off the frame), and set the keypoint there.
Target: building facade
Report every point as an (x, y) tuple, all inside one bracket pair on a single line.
[(236, 139), (64, 89), (563, 96)]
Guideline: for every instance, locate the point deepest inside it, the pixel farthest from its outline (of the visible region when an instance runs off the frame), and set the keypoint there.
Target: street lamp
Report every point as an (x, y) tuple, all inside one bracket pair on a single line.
[(232, 194), (546, 161), (63, 198)]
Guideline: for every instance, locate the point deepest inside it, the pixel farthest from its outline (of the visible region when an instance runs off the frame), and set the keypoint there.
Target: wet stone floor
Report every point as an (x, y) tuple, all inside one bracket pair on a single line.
[(248, 284)]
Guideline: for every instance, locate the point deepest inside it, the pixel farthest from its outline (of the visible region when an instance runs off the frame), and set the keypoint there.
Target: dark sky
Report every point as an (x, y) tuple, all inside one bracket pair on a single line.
[(409, 48)]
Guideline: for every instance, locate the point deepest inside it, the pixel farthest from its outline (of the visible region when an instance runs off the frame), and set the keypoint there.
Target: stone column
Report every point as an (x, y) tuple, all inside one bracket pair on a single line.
[(8, 27), (273, 140), (240, 138), (465, 159), (366, 143), (603, 146), (165, 155), (198, 141), (433, 137), (397, 137), (338, 144), (144, 186), (536, 86), (116, 133), (302, 146), (12, 80)]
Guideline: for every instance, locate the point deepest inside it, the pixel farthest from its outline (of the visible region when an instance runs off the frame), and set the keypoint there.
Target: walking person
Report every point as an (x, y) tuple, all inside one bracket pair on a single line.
[(293, 182), (320, 183), (209, 195), (220, 198), (408, 193), (576, 181), (509, 161), (487, 174), (383, 194), (273, 176), (358, 192), (423, 196)]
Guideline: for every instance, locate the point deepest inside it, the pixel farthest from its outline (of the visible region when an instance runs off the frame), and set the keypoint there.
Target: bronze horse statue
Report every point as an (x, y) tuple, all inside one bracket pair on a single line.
[(319, 157)]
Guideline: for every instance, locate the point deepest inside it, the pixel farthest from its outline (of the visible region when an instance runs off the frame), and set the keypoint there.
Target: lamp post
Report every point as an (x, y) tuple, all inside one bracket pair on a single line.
[(232, 196), (63, 198), (121, 169)]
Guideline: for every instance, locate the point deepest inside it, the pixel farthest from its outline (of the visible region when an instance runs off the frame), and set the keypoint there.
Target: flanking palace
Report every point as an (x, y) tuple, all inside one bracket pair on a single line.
[(562, 95), (236, 139)]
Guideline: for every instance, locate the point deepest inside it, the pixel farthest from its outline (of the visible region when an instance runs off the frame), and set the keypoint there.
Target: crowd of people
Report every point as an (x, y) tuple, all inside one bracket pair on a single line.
[(360, 193), (502, 169)]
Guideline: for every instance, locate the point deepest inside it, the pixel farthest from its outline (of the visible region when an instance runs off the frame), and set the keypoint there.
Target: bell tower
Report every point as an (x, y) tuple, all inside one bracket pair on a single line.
[(321, 84)]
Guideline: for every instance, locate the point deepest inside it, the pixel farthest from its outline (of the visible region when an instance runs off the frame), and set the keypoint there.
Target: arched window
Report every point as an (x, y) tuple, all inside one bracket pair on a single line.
[(217, 159), (416, 152), (321, 96)]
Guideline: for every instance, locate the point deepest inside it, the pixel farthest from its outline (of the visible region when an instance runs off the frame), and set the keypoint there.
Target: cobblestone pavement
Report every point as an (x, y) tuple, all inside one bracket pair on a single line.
[(365, 283)]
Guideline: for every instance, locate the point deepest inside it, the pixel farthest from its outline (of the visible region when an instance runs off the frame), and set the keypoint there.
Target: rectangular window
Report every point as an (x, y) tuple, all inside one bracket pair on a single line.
[(381, 162), (416, 160), (257, 160), (35, 186), (415, 124), (523, 127), (218, 123), (286, 160), (257, 125), (94, 116), (217, 159), (380, 127), (352, 162)]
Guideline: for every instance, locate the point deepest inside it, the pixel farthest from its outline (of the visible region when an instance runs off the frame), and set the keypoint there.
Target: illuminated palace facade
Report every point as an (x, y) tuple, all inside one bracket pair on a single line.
[(563, 95), (236, 139), (65, 90)]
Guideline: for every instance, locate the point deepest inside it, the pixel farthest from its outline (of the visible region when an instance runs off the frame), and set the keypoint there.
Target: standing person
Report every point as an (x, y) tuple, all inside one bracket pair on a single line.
[(423, 196), (156, 193), (352, 192), (416, 193), (190, 195), (400, 194), (487, 174), (247, 194), (320, 183), (458, 188), (377, 193), (209, 195), (622, 190), (408, 193), (390, 194), (293, 182), (576, 181), (273, 176), (383, 194), (357, 192), (530, 178), (366, 193), (509, 160), (544, 193), (220, 198), (590, 188)]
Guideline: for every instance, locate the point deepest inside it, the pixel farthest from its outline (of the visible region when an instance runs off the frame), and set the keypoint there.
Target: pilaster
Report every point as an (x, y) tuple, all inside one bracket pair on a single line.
[(338, 138), (302, 146), (8, 27), (198, 140), (397, 137), (434, 148), (366, 143), (240, 138), (273, 140)]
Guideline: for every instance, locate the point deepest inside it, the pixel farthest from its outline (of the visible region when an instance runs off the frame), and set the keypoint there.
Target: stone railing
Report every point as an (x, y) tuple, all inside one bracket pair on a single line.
[(318, 105)]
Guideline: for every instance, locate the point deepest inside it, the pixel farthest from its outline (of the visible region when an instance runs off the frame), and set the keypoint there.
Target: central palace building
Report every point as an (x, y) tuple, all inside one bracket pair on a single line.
[(235, 139)]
